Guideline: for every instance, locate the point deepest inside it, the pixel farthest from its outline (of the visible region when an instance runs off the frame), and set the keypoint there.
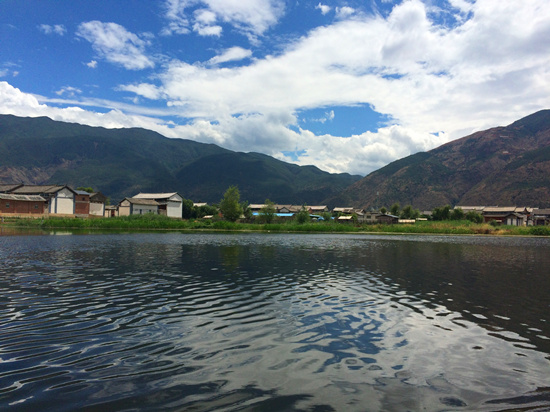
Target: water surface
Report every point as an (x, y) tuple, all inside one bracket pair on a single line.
[(257, 322)]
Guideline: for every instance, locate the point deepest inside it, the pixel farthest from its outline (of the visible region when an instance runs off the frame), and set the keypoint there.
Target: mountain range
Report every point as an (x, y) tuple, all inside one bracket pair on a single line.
[(124, 162), (501, 166)]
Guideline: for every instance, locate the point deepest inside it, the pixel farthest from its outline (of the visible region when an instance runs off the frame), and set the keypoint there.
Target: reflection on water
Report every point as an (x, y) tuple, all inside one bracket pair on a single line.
[(274, 322)]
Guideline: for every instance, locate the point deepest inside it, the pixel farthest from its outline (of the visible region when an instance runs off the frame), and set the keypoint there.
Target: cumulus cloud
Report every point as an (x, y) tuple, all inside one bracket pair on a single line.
[(231, 54), (58, 29), (92, 64), (117, 45), (344, 12), (435, 82), (251, 17), (324, 8)]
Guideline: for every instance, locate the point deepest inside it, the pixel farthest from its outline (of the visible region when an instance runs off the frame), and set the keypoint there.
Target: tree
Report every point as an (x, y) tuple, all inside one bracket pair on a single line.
[(475, 217), (383, 210), (267, 213), (394, 209), (205, 210), (230, 205), (247, 212), (85, 189), (442, 213), (303, 215), (188, 210), (409, 212), (457, 214)]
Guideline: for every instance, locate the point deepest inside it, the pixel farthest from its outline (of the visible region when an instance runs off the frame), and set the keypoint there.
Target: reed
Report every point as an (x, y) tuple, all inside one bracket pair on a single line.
[(157, 222)]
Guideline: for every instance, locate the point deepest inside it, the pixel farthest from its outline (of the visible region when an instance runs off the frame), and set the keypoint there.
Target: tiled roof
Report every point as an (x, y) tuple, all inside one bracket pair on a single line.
[(27, 198)]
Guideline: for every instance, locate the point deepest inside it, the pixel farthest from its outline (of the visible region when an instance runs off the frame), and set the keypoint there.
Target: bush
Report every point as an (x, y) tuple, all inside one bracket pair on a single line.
[(539, 230)]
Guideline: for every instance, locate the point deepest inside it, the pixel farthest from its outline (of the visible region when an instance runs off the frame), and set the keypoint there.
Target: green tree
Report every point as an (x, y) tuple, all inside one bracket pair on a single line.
[(457, 214), (475, 217), (303, 215), (205, 210), (230, 205), (442, 213), (268, 212), (188, 210), (85, 189), (394, 209), (247, 212), (409, 212), (383, 210)]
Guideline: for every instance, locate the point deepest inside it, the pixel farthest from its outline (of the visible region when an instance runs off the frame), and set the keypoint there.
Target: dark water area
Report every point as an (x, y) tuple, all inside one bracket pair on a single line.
[(274, 322)]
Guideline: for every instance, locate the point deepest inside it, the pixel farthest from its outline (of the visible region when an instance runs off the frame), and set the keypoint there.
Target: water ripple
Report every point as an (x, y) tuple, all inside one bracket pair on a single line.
[(204, 322)]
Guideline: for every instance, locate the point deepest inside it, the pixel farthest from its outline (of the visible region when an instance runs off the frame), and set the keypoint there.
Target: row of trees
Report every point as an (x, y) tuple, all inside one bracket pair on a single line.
[(439, 213)]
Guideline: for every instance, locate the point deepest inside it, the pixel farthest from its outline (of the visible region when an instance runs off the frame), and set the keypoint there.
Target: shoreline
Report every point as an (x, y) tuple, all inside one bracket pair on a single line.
[(156, 223)]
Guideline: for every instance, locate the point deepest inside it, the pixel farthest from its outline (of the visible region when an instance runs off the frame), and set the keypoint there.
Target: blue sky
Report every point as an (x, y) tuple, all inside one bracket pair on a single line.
[(348, 86)]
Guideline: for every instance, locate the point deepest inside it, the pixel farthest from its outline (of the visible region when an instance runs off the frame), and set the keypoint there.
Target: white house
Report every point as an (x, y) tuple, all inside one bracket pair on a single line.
[(170, 204), (132, 206)]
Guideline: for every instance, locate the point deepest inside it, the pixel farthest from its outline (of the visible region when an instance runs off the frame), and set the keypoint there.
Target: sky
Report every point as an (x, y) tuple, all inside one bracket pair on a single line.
[(345, 85)]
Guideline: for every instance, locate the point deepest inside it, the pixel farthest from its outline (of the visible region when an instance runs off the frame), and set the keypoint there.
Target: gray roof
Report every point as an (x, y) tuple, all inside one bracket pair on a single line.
[(8, 188), (157, 196), (36, 189), (136, 201), (26, 198)]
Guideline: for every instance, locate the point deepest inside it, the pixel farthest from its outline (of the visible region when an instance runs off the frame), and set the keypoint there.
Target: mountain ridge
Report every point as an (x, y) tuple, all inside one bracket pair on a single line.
[(505, 165), (123, 162)]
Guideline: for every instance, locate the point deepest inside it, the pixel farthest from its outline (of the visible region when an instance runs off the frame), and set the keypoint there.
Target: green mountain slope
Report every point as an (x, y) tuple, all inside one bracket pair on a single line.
[(500, 166), (123, 162)]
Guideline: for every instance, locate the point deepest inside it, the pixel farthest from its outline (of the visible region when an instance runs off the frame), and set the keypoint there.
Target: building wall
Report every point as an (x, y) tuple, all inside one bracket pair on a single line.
[(97, 209), (62, 203), (143, 209), (82, 205), (124, 208), (21, 207), (174, 209)]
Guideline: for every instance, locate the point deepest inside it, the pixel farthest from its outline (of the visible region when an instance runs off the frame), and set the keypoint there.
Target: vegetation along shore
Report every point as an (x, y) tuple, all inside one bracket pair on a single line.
[(158, 222)]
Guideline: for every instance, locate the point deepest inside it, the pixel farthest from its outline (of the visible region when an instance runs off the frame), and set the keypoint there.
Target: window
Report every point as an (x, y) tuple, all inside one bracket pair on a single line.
[(7, 205), (36, 206)]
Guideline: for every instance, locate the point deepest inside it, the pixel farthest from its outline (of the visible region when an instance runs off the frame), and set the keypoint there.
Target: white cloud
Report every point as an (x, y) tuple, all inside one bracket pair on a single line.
[(231, 54), (489, 70), (344, 12), (324, 8), (68, 91), (92, 64), (58, 29), (117, 45), (252, 17)]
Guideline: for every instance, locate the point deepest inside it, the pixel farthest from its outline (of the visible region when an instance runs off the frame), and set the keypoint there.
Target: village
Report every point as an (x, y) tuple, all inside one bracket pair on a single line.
[(38, 201)]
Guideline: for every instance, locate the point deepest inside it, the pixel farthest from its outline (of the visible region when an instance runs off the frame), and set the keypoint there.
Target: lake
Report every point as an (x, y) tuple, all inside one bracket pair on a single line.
[(273, 322)]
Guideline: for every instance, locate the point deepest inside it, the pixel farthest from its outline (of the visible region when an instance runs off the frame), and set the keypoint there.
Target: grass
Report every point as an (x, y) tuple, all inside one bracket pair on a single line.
[(156, 222)]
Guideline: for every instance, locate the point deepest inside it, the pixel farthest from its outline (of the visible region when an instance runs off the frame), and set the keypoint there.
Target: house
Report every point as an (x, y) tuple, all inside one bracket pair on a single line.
[(540, 217), (387, 219), (60, 198), (169, 204), (97, 204), (110, 211), (497, 214), (515, 219), (21, 204), (317, 210), (132, 206), (82, 203), (288, 208)]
